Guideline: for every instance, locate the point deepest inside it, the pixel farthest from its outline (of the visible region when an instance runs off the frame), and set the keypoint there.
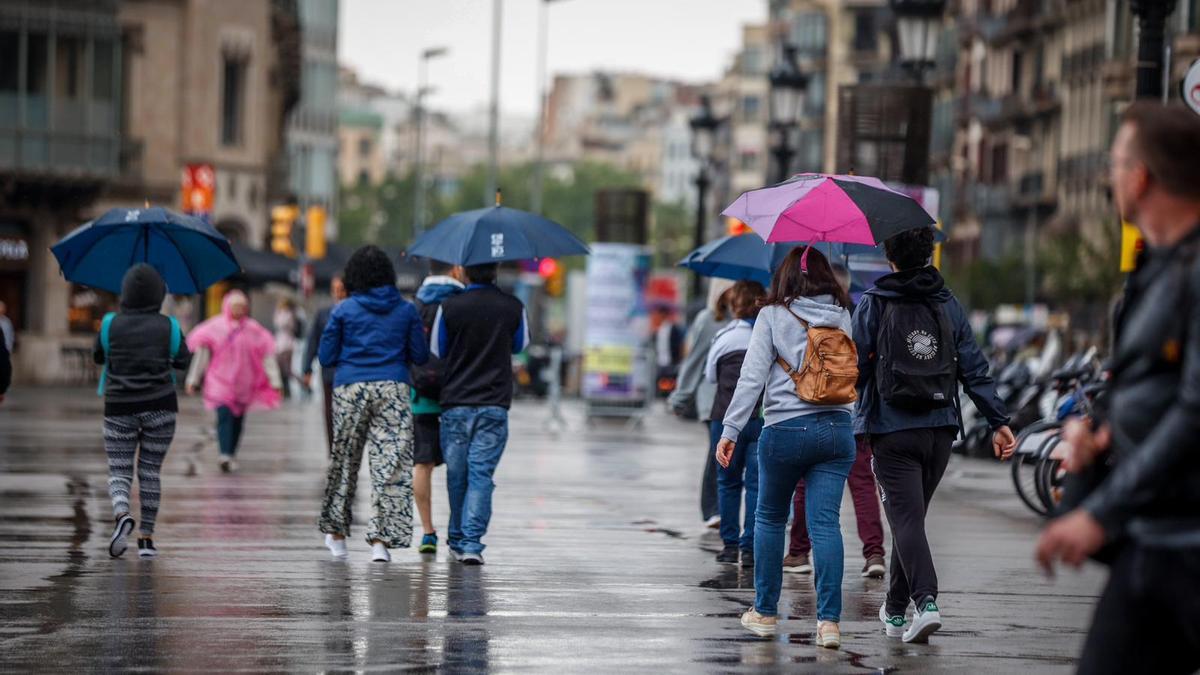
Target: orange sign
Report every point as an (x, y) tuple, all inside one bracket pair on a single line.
[(198, 189)]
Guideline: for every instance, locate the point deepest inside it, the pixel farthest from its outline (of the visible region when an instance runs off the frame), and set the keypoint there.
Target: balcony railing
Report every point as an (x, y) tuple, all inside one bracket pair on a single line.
[(61, 153)]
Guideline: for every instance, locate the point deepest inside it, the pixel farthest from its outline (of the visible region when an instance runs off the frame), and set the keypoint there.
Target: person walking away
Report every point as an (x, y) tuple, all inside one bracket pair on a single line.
[(5, 370), (373, 339), (1146, 510), (287, 329), (445, 281), (337, 291), (235, 359), (693, 390), (914, 347), (139, 349), (476, 332), (862, 494), (7, 332), (806, 434), (724, 367)]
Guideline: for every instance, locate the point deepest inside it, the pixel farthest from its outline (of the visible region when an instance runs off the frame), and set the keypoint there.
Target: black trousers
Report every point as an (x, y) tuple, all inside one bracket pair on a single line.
[(1148, 619), (709, 506), (908, 467)]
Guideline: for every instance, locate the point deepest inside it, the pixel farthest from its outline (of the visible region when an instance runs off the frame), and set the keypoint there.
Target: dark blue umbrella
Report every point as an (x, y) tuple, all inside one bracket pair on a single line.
[(496, 234), (737, 257), (189, 253)]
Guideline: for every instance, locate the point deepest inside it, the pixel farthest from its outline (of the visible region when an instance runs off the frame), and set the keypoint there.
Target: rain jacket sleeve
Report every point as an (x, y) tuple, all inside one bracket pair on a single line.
[(199, 364), (418, 348), (865, 328), (314, 340), (973, 369), (331, 341), (755, 368), (691, 371)]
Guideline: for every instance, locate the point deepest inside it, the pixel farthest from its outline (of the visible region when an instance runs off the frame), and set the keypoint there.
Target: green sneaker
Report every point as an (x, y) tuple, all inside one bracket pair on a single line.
[(428, 544), (893, 624), (927, 619)]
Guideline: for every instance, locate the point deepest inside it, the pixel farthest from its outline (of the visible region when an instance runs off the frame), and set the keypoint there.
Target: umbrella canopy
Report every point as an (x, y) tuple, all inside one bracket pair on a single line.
[(496, 234), (737, 257), (829, 208), (190, 254)]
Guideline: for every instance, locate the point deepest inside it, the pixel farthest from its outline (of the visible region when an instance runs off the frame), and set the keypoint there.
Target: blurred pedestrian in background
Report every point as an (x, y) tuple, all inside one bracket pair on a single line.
[(234, 357), (862, 493), (337, 291), (373, 338), (7, 332), (288, 328), (1142, 446), (445, 281), (915, 346), (724, 367), (5, 370), (693, 395), (806, 438), (477, 332), (139, 349)]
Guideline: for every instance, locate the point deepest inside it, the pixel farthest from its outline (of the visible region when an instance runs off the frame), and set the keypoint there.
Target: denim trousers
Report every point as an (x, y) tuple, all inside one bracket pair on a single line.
[(473, 439), (741, 476), (818, 448), (229, 431)]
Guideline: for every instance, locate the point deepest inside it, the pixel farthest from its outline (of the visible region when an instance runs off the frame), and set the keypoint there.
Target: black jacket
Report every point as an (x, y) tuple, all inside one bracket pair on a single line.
[(139, 360), (1153, 491), (5, 368), (476, 333), (314, 341)]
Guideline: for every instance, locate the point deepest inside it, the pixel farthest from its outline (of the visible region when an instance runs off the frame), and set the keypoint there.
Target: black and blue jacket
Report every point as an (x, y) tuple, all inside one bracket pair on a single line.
[(476, 333)]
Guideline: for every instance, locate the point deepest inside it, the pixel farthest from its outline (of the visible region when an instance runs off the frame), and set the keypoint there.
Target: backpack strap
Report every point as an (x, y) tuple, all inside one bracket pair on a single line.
[(105, 328), (176, 336)]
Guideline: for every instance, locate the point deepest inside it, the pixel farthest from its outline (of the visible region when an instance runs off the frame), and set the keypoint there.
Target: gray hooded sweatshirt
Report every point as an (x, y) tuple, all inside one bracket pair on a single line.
[(778, 333)]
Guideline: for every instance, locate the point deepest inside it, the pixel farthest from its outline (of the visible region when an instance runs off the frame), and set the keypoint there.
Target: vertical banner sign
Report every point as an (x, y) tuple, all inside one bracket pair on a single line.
[(198, 190), (615, 365)]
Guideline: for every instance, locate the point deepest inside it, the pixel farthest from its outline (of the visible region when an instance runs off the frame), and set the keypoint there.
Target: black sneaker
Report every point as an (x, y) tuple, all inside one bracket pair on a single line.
[(146, 548), (729, 554), (117, 543), (747, 558)]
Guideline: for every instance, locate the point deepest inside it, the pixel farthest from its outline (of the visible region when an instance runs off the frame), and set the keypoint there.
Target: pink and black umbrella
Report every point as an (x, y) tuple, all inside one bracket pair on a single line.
[(814, 208)]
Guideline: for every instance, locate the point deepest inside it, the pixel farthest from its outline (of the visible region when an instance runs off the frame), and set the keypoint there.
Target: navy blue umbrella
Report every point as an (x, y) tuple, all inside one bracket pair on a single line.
[(496, 234), (189, 253), (737, 257)]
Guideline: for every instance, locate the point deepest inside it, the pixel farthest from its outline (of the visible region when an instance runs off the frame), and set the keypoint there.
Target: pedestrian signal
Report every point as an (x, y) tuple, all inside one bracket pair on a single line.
[(314, 233)]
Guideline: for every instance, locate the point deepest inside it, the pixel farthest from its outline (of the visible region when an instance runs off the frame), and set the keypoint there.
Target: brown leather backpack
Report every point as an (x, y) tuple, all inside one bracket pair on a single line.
[(830, 370)]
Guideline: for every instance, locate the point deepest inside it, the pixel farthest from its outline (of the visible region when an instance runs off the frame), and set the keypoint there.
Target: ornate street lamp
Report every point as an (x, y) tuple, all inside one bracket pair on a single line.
[(918, 23), (704, 126), (1152, 22), (788, 86)]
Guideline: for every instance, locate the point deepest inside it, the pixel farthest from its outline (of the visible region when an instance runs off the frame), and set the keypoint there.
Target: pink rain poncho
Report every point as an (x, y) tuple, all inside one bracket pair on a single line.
[(236, 377)]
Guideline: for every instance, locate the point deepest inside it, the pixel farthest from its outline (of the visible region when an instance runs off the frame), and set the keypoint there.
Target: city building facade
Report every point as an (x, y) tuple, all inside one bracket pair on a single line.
[(312, 131)]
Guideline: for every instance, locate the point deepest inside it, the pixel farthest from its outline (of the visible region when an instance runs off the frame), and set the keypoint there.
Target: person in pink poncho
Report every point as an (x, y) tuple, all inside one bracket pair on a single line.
[(235, 355)]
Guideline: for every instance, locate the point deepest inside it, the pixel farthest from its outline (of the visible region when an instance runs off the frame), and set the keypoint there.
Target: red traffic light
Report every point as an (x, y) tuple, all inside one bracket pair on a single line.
[(547, 268)]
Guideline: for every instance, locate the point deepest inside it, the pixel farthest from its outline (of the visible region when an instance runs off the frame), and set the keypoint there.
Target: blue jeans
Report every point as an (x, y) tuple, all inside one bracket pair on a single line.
[(820, 449), (742, 472), (229, 431), (473, 440)]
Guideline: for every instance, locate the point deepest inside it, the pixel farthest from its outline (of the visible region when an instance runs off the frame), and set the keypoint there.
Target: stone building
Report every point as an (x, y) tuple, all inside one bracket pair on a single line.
[(312, 137)]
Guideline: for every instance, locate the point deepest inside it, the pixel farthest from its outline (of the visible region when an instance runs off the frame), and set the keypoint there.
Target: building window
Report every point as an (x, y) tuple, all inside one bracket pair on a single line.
[(748, 160), (865, 33), (233, 94), (364, 147), (750, 108), (752, 60)]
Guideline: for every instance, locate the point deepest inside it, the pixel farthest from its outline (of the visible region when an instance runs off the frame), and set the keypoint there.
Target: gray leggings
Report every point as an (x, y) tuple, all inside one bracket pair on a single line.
[(123, 434)]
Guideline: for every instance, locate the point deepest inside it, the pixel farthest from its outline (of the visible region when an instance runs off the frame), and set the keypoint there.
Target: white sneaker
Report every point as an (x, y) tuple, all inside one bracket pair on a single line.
[(893, 625), (762, 626), (456, 555), (926, 621), (379, 552), (713, 523), (336, 546), (228, 465), (471, 559), (829, 635)]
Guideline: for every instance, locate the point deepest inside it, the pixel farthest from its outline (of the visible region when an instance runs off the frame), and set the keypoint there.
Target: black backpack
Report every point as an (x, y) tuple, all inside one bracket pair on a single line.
[(917, 368), (427, 377)]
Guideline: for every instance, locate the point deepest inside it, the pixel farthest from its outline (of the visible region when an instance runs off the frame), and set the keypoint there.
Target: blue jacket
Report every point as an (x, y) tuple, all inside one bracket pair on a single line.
[(873, 415), (373, 337)]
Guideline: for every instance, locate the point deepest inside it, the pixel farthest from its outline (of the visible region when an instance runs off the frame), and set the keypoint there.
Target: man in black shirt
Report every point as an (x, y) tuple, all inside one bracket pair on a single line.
[(476, 333)]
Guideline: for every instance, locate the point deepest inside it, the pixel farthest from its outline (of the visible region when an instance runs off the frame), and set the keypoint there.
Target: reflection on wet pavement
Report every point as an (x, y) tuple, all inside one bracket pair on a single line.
[(596, 562)]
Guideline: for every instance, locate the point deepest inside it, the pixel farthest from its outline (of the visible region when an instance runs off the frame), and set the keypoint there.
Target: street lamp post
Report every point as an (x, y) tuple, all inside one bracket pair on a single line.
[(1152, 21), (543, 104), (917, 26), (419, 113), (704, 126), (489, 190), (788, 86)]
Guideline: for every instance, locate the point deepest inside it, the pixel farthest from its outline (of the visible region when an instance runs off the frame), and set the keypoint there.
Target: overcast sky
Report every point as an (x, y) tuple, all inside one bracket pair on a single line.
[(691, 40)]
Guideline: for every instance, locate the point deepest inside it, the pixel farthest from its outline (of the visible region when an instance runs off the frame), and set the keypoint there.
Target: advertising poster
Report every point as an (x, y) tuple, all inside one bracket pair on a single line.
[(615, 362)]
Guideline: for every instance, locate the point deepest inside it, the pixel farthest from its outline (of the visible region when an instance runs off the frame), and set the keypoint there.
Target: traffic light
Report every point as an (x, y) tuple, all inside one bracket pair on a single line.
[(314, 236), (283, 219), (555, 276)]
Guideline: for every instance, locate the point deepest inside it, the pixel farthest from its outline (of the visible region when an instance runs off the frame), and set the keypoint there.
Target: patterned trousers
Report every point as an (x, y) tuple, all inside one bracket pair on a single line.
[(374, 417), (123, 434)]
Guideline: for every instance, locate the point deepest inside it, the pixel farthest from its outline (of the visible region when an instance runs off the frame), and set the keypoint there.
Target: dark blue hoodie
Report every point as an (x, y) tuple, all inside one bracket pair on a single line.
[(873, 415), (373, 337)]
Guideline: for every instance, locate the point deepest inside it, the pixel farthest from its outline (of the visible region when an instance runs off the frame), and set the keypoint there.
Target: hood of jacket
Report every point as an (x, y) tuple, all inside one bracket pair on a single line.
[(142, 290), (379, 300), (821, 310), (437, 288), (923, 282)]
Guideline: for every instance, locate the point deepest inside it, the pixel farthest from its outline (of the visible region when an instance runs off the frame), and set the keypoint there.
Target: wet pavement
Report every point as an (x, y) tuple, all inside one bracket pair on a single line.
[(595, 563)]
